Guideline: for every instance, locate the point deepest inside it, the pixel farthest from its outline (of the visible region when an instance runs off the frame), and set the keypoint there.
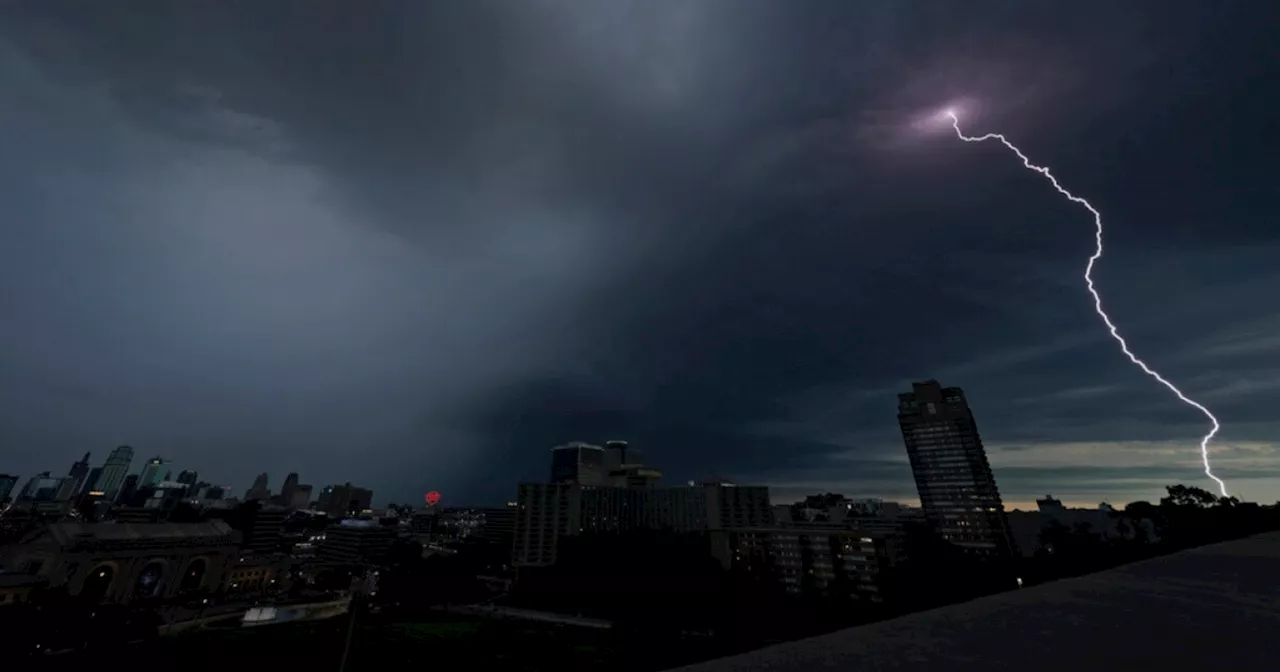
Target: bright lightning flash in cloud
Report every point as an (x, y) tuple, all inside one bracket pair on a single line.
[(1097, 298)]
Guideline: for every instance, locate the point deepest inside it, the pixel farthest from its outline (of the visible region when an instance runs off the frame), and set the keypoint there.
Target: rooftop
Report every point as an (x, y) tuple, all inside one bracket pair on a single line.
[(1214, 608), (69, 533)]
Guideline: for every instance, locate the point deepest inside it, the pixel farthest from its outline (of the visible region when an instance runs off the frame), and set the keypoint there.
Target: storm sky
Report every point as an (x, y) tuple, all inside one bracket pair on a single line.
[(413, 245)]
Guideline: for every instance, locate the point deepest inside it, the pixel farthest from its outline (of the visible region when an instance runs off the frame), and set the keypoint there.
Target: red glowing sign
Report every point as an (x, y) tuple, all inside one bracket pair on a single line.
[(432, 498)]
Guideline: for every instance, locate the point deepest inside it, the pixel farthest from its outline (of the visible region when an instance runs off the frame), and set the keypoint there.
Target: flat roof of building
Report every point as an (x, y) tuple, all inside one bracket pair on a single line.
[(70, 532), (1210, 608)]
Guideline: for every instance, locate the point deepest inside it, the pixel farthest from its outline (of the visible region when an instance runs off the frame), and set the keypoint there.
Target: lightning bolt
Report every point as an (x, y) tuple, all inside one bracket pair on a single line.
[(1097, 298)]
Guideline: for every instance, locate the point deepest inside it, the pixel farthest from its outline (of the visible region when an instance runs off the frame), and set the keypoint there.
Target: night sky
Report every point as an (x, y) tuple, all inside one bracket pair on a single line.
[(415, 244)]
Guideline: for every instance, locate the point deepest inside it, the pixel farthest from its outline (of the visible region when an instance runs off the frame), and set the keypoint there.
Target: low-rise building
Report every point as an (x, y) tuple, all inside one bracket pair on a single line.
[(354, 542), (257, 574), (121, 562), (813, 559), (1029, 526)]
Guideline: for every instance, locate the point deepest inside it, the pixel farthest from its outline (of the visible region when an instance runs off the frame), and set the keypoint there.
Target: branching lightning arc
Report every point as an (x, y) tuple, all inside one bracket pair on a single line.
[(1097, 298)]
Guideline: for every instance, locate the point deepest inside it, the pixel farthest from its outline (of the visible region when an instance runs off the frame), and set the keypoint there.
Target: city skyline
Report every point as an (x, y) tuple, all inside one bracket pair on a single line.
[(597, 475), (706, 228)]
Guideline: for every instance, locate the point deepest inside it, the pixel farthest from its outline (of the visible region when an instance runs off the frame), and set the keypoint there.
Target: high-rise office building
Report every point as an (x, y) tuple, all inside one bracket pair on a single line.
[(301, 497), (43, 488), (578, 462), (259, 489), (67, 487), (957, 489), (288, 489), (114, 471), (189, 478), (635, 476), (78, 472), (500, 525), (90, 483), (7, 483), (339, 501), (154, 471), (126, 495), (620, 454), (263, 528), (546, 512), (711, 505)]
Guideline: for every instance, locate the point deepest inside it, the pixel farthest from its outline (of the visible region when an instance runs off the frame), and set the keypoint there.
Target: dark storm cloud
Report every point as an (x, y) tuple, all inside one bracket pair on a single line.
[(376, 239)]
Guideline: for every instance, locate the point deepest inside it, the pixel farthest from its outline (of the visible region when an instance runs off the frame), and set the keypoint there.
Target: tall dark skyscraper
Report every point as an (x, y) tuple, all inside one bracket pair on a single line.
[(7, 483), (78, 472), (128, 491), (577, 462), (114, 471), (189, 478), (259, 490), (618, 454), (289, 488), (154, 471), (956, 486), (341, 500), (91, 481)]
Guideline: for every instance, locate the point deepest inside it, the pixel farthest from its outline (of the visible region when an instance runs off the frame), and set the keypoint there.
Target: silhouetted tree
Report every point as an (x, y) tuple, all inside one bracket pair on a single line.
[(1188, 497)]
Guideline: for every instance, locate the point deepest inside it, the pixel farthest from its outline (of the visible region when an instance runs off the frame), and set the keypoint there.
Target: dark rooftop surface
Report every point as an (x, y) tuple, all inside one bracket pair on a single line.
[(1210, 608), (70, 532)]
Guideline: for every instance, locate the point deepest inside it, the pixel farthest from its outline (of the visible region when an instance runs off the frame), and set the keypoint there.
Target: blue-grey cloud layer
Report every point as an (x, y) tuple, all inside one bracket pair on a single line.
[(413, 244)]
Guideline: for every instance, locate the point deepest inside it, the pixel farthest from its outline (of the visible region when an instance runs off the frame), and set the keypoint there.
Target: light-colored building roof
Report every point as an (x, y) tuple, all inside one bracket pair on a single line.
[(1210, 608)]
